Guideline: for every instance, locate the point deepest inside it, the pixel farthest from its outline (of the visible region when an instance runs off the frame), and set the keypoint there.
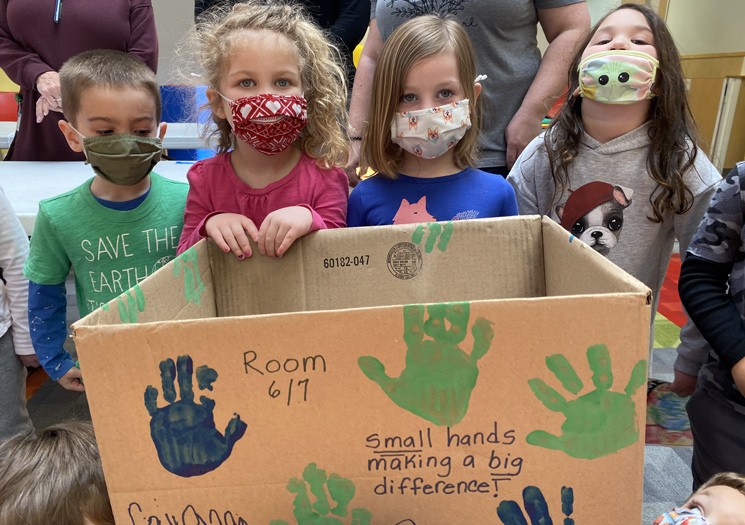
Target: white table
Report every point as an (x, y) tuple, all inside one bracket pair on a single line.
[(26, 183), (179, 135)]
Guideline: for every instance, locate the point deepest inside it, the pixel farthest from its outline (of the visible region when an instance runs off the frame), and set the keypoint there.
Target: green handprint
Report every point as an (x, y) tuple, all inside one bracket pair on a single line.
[(193, 286), (598, 423), (129, 303), (443, 230), (439, 377), (341, 491)]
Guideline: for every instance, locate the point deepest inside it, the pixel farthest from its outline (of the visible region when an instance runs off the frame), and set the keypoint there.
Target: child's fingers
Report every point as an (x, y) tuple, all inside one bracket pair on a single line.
[(250, 228), (229, 234), (286, 236), (269, 238)]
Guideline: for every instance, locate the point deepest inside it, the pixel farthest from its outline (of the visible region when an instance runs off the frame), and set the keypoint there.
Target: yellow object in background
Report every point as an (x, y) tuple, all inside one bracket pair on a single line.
[(6, 84)]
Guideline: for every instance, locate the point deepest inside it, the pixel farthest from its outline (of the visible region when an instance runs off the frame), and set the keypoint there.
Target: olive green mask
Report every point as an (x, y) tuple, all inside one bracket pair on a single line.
[(122, 159)]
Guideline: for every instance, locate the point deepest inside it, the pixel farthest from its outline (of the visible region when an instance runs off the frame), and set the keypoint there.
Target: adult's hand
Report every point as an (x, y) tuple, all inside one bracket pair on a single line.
[(47, 84), (523, 128), (29, 360), (354, 163), (683, 384)]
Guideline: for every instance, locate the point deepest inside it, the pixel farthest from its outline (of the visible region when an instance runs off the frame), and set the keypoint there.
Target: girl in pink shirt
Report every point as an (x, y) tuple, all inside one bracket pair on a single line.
[(277, 96)]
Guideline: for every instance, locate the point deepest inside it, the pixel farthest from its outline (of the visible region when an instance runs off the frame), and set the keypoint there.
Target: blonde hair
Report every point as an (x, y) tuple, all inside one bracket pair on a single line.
[(108, 68), (415, 40), (217, 37), (53, 477)]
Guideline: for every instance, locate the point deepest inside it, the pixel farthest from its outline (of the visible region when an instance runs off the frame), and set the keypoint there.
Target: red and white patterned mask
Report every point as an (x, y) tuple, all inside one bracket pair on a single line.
[(268, 122)]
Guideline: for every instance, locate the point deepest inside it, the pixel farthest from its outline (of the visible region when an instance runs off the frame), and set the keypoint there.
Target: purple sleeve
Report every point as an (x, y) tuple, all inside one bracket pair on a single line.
[(20, 64), (143, 41)]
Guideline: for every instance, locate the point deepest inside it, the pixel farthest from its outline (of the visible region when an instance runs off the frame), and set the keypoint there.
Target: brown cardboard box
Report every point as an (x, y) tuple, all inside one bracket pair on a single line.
[(301, 390)]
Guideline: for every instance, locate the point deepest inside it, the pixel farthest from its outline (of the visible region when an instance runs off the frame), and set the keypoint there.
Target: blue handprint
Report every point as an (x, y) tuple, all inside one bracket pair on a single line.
[(536, 507), (184, 432)]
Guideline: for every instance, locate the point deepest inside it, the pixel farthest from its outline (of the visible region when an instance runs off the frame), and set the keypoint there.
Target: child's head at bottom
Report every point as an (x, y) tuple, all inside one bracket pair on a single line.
[(54, 477), (112, 108), (719, 501)]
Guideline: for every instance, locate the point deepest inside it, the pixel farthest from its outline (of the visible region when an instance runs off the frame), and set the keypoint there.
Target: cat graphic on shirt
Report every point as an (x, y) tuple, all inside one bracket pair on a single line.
[(412, 213)]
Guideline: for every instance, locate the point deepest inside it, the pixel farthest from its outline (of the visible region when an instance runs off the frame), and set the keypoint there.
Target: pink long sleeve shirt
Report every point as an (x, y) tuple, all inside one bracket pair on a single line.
[(215, 188)]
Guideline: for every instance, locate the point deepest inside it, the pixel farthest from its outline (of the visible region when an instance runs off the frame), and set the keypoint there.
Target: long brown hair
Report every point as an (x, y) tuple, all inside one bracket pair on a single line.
[(672, 150), (417, 39)]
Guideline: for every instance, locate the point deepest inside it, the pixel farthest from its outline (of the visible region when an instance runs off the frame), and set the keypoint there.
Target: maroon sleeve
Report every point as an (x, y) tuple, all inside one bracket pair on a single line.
[(197, 208), (143, 40), (21, 65), (329, 207)]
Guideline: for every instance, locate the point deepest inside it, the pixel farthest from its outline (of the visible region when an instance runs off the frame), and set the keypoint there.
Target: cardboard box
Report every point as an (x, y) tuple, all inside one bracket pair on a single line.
[(466, 372)]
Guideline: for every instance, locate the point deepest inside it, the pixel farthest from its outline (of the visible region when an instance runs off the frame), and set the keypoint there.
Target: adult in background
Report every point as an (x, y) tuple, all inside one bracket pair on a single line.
[(38, 36), (521, 86), (346, 20)]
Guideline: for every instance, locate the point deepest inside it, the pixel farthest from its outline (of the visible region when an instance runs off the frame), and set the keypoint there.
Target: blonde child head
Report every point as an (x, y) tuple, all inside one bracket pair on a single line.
[(672, 131), (420, 38), (54, 477), (220, 35)]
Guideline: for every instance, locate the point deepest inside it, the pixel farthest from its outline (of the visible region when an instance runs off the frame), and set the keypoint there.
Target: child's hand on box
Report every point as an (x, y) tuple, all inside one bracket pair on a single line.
[(229, 230), (72, 380), (283, 227)]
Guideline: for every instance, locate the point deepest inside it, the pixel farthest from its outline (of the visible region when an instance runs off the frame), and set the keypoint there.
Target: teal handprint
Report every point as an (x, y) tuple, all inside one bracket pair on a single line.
[(536, 508), (183, 431), (439, 377), (441, 230), (130, 302), (193, 286), (340, 490), (598, 423)]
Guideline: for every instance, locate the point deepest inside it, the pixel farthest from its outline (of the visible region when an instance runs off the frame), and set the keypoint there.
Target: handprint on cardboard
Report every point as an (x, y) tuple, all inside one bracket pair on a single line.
[(340, 490), (598, 423), (439, 235), (183, 431), (439, 377), (536, 508)]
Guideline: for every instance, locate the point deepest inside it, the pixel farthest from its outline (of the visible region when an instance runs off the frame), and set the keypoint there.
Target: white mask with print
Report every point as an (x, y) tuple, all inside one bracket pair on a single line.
[(428, 133)]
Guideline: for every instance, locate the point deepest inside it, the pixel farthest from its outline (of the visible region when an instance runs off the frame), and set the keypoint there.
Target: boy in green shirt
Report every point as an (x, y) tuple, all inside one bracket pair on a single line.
[(115, 229)]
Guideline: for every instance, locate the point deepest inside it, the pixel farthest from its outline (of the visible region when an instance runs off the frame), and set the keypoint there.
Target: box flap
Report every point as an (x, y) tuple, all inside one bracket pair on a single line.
[(385, 265), (182, 289), (574, 268)]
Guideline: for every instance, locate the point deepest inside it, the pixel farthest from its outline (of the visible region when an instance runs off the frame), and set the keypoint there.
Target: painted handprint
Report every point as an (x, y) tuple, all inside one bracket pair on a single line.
[(598, 423), (437, 230), (340, 490), (193, 286), (536, 508), (439, 377), (130, 302), (183, 431)]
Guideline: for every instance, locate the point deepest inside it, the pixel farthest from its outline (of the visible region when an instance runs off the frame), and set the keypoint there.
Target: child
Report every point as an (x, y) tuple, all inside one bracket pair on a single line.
[(719, 501), (712, 288), (422, 135), (16, 351), (278, 98), (55, 477), (118, 227), (619, 167)]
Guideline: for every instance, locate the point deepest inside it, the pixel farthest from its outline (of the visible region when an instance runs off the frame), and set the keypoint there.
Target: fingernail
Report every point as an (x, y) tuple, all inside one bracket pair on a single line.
[(226, 249), (38, 119), (248, 254), (241, 257)]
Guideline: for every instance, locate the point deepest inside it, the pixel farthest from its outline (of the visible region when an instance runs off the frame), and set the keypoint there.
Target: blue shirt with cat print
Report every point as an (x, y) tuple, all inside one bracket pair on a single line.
[(468, 194)]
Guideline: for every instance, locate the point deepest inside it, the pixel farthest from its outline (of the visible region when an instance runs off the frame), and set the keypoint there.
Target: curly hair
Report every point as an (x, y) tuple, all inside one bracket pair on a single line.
[(216, 38), (415, 40), (672, 132)]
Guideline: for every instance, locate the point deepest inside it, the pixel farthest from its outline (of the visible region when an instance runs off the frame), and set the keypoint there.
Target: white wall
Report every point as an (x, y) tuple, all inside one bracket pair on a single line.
[(173, 19), (707, 26)]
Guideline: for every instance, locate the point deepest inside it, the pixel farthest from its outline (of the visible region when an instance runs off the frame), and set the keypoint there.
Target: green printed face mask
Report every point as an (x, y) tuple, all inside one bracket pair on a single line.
[(618, 77), (122, 159)]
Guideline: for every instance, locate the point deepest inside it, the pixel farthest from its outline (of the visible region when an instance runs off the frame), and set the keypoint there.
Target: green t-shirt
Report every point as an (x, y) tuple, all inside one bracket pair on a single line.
[(109, 250)]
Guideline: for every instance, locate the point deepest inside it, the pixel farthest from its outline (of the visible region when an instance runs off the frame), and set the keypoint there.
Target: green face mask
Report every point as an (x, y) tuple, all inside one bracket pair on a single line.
[(122, 159)]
